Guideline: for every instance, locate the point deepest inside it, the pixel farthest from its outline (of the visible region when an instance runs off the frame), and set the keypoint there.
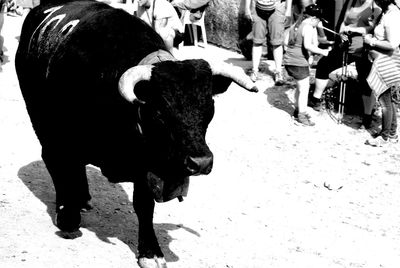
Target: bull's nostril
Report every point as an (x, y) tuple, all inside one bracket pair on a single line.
[(199, 165)]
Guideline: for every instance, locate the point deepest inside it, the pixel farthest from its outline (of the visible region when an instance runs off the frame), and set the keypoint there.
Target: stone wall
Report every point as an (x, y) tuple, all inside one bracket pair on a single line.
[(221, 21)]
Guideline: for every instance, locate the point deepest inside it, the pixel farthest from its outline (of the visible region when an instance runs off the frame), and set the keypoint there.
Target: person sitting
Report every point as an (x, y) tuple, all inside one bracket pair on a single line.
[(161, 15), (302, 41), (358, 21), (268, 17), (385, 71), (196, 7)]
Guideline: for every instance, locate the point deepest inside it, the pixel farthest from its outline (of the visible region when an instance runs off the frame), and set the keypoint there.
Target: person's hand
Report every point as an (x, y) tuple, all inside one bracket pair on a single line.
[(288, 21), (325, 52), (344, 37), (346, 29), (369, 39), (11, 4), (310, 59), (247, 14)]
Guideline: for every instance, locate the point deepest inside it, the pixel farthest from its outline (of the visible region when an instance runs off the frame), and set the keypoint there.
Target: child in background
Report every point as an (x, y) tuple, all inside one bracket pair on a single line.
[(302, 42)]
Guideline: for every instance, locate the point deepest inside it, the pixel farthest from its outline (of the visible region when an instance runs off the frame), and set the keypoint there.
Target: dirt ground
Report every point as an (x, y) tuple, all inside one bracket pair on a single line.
[(280, 194)]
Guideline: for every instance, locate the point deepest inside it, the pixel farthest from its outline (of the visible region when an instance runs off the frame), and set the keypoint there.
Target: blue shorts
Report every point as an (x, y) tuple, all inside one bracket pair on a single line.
[(298, 72), (274, 27)]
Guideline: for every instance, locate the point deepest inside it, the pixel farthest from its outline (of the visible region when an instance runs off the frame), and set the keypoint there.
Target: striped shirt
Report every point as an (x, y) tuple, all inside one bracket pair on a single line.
[(267, 5), (385, 73)]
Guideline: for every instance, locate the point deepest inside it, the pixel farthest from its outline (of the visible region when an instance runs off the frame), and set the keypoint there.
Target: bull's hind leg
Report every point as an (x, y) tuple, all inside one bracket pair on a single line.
[(150, 254), (71, 186)]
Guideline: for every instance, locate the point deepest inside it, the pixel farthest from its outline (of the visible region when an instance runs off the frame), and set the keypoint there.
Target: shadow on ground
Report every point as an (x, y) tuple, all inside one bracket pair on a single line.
[(113, 214)]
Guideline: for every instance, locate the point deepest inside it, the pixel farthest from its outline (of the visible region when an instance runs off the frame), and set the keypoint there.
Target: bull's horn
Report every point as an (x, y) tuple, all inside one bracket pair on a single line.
[(233, 72), (130, 78)]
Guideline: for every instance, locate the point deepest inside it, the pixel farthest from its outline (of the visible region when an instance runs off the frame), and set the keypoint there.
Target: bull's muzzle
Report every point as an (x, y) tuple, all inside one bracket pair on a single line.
[(199, 165)]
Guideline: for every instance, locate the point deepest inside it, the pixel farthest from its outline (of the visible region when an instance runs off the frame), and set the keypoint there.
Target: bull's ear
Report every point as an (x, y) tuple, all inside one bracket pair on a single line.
[(220, 84)]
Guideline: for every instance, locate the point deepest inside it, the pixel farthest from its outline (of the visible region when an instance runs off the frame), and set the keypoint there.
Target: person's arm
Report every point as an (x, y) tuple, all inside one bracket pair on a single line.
[(247, 9), (392, 40), (288, 11), (309, 42), (361, 30)]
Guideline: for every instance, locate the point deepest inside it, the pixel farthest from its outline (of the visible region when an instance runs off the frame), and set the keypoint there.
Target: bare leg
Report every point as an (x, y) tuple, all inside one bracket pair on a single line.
[(277, 51), (320, 85), (256, 56), (303, 87)]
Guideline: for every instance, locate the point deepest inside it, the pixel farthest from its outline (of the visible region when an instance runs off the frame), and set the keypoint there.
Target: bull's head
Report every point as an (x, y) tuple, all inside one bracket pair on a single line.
[(175, 107)]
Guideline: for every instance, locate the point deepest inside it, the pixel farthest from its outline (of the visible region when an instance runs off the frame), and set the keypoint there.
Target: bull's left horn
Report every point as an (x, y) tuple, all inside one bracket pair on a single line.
[(130, 78), (233, 72)]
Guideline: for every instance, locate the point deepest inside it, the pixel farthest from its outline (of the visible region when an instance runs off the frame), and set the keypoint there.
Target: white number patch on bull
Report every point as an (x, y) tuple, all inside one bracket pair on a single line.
[(54, 22), (69, 27)]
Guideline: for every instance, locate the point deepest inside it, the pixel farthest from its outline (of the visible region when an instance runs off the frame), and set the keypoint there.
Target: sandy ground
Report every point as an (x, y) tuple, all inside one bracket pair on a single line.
[(264, 204)]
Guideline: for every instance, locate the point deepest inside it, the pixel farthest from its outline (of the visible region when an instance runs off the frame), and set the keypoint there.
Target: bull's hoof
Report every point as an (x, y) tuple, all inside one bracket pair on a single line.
[(86, 206), (68, 219), (156, 262)]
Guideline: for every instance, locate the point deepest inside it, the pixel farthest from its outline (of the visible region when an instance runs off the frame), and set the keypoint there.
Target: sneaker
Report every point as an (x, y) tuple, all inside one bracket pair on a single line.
[(253, 75), (393, 138), (315, 103), (296, 114), (304, 119), (278, 79), (377, 142)]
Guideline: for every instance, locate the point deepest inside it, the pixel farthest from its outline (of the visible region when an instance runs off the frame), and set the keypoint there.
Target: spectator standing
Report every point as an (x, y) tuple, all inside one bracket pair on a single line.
[(161, 15), (268, 16), (385, 72), (298, 7), (359, 20), (302, 42)]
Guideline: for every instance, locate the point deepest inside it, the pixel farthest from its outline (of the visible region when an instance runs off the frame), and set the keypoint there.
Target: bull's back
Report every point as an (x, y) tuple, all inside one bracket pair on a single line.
[(69, 61)]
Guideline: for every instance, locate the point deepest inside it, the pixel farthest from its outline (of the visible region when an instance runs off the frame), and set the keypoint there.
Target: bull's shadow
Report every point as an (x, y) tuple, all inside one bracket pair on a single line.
[(112, 216)]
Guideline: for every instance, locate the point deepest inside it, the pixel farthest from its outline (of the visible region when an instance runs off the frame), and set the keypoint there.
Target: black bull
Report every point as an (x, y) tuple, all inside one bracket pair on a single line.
[(101, 89)]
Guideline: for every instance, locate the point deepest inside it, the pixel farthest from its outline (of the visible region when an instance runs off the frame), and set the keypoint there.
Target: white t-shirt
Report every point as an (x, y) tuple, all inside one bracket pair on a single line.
[(162, 10), (390, 21)]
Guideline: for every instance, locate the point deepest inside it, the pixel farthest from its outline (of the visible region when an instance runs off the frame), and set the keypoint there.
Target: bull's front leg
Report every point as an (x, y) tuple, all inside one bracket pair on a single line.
[(150, 254)]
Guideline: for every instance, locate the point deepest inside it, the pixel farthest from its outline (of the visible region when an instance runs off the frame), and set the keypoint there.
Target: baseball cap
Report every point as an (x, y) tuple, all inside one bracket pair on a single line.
[(315, 11)]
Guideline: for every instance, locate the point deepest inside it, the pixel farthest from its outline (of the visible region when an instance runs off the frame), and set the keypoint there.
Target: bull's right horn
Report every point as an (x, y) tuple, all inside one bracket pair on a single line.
[(130, 78), (233, 72)]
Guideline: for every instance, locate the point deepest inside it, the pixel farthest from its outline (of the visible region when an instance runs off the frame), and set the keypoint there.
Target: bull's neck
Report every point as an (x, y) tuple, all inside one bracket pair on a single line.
[(157, 56)]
